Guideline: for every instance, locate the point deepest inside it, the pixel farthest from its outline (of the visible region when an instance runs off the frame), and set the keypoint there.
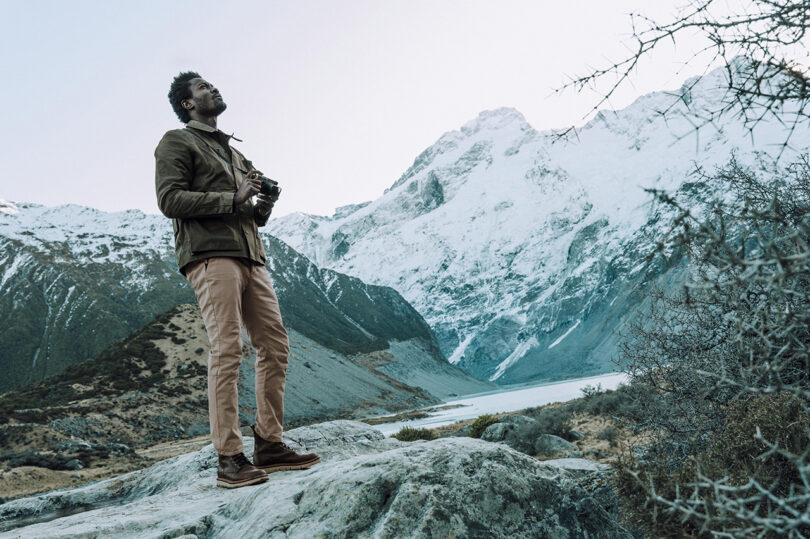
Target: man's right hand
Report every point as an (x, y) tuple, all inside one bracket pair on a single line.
[(249, 187)]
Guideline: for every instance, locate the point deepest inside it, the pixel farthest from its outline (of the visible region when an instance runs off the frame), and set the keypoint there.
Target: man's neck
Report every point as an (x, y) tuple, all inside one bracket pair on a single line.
[(207, 120)]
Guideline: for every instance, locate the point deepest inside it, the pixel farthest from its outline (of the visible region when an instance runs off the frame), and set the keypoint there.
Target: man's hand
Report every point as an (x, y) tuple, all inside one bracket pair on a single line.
[(249, 187), (264, 205)]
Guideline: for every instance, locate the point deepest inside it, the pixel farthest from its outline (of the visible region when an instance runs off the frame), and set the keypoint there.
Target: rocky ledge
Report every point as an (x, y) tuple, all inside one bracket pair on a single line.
[(365, 486)]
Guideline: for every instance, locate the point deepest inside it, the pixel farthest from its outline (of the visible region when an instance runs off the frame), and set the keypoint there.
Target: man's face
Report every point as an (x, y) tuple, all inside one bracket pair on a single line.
[(205, 99)]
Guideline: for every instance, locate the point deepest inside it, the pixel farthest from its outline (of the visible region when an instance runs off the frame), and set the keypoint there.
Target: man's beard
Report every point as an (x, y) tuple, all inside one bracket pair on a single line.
[(219, 107), (216, 109)]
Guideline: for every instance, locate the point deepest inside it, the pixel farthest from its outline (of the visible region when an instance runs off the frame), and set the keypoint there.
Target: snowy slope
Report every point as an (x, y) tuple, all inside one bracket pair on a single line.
[(74, 280), (524, 252)]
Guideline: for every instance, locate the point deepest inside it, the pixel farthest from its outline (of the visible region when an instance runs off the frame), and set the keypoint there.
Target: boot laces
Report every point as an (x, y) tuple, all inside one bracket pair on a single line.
[(241, 460)]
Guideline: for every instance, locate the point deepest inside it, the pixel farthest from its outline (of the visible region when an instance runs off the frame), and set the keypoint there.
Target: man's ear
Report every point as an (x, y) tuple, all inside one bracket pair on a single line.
[(188, 105)]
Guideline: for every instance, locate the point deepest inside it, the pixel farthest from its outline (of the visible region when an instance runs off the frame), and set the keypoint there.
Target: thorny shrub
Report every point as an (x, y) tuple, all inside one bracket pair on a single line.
[(727, 364)]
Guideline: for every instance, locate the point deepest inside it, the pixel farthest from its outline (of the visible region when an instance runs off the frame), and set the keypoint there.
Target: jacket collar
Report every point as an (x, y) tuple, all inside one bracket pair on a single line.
[(208, 129)]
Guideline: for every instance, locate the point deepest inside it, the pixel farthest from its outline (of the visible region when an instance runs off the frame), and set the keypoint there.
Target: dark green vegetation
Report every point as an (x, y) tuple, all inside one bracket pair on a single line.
[(409, 434), (338, 311), (133, 364), (57, 310), (725, 366), (480, 425), (620, 405)]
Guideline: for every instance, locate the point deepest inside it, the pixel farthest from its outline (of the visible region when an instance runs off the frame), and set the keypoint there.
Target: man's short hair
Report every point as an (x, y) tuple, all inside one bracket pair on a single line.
[(179, 91)]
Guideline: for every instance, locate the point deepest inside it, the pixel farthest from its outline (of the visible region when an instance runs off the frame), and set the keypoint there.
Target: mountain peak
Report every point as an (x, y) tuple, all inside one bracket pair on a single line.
[(494, 120)]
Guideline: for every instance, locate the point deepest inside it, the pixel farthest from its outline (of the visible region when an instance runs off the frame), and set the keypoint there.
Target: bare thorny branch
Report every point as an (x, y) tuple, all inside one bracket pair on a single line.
[(760, 44)]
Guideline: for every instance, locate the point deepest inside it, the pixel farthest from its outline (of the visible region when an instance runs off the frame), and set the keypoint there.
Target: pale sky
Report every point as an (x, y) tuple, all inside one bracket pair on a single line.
[(334, 99)]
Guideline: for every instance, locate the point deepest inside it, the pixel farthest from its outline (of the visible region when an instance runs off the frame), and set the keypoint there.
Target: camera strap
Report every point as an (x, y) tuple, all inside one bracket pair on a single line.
[(215, 150)]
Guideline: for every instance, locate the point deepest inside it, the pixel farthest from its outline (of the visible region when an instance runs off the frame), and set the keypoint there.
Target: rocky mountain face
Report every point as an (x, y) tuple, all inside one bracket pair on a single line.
[(365, 486), (75, 280), (525, 251)]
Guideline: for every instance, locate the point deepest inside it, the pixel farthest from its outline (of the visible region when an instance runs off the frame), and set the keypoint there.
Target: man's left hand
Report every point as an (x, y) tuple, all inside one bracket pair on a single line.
[(264, 204)]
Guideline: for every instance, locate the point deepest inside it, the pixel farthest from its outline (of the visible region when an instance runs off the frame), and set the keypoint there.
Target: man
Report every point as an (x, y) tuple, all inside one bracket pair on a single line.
[(206, 188)]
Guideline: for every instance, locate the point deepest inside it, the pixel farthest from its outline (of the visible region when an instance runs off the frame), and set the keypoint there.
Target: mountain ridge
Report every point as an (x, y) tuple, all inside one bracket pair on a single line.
[(75, 279)]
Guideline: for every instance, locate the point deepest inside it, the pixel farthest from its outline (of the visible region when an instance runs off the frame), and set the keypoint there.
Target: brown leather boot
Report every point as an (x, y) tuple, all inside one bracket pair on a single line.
[(277, 456), (236, 471)]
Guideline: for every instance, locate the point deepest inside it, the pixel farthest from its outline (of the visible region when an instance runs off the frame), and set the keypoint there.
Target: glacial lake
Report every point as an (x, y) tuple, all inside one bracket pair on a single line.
[(506, 400)]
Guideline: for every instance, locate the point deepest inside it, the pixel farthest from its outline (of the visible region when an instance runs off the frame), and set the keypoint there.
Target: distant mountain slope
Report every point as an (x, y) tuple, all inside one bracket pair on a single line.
[(152, 387), (524, 252), (74, 280)]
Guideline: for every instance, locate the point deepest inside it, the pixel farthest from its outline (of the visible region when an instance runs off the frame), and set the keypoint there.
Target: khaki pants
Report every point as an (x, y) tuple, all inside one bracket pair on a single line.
[(232, 293)]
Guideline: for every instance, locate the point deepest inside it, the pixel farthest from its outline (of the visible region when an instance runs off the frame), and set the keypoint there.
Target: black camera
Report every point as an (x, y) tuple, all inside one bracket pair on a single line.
[(269, 187)]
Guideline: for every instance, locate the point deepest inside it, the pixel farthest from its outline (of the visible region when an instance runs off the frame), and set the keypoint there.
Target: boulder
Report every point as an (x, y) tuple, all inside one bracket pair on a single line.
[(594, 477), (365, 486), (576, 434), (74, 464), (497, 432), (548, 444), (516, 419), (578, 466)]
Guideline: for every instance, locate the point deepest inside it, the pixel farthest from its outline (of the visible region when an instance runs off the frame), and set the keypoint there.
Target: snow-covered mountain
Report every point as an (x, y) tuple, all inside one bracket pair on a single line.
[(524, 251), (74, 280)]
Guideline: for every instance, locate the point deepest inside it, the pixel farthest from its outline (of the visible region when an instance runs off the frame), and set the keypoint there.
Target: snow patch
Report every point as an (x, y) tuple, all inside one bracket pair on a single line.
[(564, 335), (9, 273), (8, 207), (459, 351), (519, 351)]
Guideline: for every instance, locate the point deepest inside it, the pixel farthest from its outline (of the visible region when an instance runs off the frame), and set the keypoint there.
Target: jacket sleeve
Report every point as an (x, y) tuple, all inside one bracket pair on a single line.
[(260, 219), (174, 171)]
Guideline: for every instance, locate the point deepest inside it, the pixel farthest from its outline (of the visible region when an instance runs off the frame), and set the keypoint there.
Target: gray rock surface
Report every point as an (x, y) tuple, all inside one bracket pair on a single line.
[(594, 477), (365, 486), (497, 432), (516, 419), (548, 444), (578, 466)]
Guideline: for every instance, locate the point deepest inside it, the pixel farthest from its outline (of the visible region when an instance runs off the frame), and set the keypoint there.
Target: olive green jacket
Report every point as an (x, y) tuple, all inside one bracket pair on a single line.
[(195, 181)]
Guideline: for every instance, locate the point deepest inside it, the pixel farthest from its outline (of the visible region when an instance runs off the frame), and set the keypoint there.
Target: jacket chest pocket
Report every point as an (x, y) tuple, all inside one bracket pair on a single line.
[(212, 174)]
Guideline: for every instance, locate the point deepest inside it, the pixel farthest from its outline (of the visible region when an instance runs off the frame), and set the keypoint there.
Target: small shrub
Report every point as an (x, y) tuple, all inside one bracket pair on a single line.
[(480, 425), (556, 420), (409, 434), (610, 434), (590, 391), (625, 402)]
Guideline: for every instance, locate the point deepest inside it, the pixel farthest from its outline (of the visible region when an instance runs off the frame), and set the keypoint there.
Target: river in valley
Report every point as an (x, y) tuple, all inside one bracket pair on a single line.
[(507, 400)]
